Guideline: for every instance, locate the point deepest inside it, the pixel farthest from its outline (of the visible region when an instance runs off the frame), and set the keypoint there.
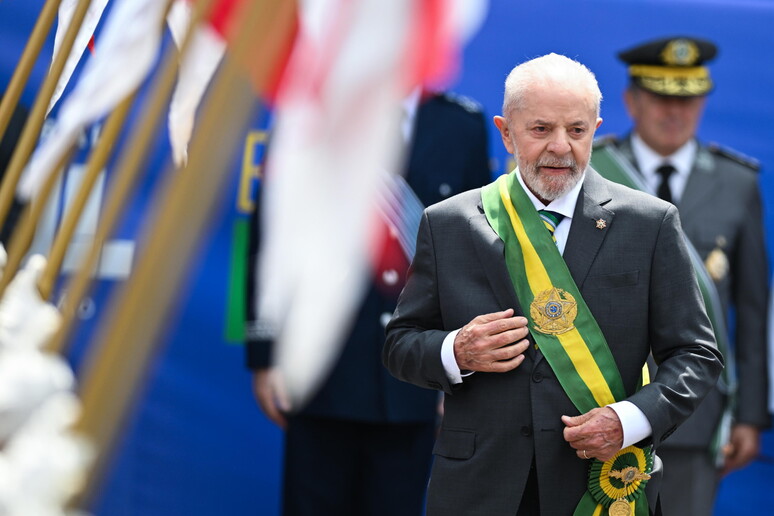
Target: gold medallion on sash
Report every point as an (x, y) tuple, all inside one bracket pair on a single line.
[(620, 508), (627, 475), (554, 311)]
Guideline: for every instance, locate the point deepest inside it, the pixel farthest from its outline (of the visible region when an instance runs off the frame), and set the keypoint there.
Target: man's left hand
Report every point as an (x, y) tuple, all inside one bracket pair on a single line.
[(743, 447), (596, 434)]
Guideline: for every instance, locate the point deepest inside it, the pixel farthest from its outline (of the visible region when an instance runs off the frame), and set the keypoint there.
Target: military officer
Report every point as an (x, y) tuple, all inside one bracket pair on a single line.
[(716, 191)]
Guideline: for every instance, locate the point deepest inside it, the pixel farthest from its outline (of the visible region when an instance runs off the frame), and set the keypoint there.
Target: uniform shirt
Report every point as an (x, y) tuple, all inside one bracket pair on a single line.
[(649, 160), (636, 426)]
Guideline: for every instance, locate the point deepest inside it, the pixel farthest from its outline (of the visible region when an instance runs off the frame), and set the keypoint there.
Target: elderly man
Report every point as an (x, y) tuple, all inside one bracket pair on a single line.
[(717, 194), (533, 303)]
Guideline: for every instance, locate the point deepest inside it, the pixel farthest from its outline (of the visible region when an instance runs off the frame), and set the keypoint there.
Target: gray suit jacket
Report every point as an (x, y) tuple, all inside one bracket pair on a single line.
[(720, 209), (637, 280)]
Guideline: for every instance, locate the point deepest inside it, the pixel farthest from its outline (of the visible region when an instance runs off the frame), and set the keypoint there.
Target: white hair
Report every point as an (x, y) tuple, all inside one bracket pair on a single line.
[(547, 70)]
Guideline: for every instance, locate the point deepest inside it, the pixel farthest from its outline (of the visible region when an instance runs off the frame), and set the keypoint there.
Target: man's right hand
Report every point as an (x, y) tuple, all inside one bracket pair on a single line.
[(493, 342), (267, 397)]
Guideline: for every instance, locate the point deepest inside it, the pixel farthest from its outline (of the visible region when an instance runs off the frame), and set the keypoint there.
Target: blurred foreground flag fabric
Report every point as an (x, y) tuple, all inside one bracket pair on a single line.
[(82, 40), (127, 50), (337, 136), (197, 66), (201, 60)]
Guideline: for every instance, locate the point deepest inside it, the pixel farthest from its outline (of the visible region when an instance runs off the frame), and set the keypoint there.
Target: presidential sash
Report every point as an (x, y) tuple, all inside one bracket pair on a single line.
[(569, 338), (612, 165)]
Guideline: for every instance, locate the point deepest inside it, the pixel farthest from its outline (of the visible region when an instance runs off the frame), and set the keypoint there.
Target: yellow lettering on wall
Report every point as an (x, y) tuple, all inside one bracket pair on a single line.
[(251, 171)]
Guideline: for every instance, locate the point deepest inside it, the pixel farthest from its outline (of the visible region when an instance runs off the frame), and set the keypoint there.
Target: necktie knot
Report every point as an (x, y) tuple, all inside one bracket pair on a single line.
[(666, 170), (664, 191), (550, 219)]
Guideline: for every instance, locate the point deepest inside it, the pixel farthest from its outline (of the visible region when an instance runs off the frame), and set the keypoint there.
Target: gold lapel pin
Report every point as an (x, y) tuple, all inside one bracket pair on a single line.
[(601, 224)]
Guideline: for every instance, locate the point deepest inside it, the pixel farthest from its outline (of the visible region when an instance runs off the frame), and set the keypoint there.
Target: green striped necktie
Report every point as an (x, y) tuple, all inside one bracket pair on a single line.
[(550, 219)]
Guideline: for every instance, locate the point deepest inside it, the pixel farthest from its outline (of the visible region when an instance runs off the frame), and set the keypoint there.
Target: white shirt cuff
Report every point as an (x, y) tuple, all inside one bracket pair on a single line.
[(453, 372), (636, 426)]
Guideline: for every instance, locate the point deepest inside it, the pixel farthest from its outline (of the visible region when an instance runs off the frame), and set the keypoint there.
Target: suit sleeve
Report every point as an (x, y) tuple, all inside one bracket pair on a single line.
[(681, 337), (412, 350), (750, 296)]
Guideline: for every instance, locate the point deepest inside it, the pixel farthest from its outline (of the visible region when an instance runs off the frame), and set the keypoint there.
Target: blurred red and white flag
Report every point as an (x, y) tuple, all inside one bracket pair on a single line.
[(197, 66), (336, 138), (85, 35), (203, 56), (128, 48)]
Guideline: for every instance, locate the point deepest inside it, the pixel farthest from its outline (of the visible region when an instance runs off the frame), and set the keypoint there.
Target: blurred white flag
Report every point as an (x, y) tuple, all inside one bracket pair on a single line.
[(337, 134), (128, 47), (85, 33), (197, 67)]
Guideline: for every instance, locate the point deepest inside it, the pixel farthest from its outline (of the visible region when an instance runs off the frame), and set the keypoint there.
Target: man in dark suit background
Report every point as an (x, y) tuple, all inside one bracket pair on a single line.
[(508, 442), (717, 194), (363, 445)]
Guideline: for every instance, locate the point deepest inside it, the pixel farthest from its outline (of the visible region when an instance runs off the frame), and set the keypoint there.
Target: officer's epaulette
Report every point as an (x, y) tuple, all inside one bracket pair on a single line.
[(605, 139), (734, 155), (467, 103)]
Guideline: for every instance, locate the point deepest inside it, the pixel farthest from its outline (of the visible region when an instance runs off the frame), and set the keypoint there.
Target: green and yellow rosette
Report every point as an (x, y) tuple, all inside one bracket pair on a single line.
[(569, 338), (616, 485)]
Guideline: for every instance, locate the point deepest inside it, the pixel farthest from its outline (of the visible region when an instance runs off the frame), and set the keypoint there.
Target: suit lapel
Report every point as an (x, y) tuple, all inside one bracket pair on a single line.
[(586, 235), (491, 252), (624, 146), (701, 183)]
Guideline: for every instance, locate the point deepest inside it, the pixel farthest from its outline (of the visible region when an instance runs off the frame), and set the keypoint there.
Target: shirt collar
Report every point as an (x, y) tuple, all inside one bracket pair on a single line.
[(564, 205), (649, 160)]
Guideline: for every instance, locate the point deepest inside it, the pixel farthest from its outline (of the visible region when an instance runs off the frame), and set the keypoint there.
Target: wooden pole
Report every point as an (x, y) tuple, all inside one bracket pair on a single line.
[(24, 67), (122, 184), (24, 233), (31, 131), (125, 344), (32, 212), (94, 167)]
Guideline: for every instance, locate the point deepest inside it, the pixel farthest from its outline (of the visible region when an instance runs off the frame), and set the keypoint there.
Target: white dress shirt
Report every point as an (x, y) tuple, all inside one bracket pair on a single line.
[(634, 423), (649, 160)]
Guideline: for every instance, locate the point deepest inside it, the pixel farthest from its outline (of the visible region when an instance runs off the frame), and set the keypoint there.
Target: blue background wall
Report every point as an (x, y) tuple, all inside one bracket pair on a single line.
[(197, 444)]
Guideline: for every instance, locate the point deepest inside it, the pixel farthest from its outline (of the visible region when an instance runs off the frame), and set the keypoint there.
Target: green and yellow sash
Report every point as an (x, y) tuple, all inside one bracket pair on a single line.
[(569, 338)]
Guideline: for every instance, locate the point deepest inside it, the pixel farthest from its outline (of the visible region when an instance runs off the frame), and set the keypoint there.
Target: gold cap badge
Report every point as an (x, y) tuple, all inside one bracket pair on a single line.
[(680, 52), (671, 66)]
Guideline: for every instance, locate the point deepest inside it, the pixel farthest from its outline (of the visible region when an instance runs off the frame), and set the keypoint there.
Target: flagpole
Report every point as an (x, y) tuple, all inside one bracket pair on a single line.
[(126, 342), (31, 131), (124, 178), (24, 233), (27, 60), (94, 167)]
